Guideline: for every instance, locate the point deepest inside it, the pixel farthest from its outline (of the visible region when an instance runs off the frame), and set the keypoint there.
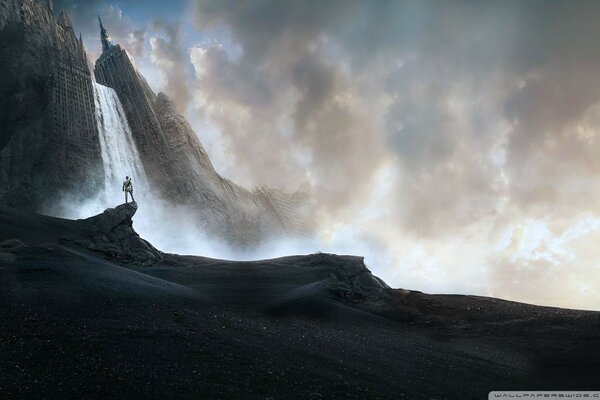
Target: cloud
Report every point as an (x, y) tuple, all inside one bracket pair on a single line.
[(167, 53), (170, 56), (286, 94), (84, 17), (488, 112), (480, 117), (541, 262)]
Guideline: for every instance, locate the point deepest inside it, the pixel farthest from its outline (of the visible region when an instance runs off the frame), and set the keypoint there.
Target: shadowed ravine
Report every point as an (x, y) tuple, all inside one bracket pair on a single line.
[(91, 310)]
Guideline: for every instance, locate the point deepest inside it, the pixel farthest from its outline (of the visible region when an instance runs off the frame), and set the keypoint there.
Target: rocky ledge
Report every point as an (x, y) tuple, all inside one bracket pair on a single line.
[(111, 233), (345, 278), (350, 279)]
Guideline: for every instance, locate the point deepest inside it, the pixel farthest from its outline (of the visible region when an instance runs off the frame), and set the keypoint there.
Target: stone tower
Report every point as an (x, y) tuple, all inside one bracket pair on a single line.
[(115, 69), (179, 168), (106, 43)]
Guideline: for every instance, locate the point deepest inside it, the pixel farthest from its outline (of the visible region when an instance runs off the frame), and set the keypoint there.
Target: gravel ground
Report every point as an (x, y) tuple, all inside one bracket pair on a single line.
[(76, 325)]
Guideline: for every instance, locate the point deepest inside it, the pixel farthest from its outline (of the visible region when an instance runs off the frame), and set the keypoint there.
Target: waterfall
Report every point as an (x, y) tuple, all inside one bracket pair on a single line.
[(120, 157), (165, 225)]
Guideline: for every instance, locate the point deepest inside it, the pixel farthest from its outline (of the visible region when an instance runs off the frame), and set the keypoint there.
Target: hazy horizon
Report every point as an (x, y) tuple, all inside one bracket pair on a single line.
[(453, 144)]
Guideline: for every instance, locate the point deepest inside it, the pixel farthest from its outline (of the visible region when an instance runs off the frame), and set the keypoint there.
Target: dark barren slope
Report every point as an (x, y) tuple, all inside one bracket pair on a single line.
[(88, 309)]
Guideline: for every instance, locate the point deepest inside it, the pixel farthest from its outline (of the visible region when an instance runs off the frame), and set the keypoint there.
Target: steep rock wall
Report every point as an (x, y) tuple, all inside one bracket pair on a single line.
[(49, 145), (181, 171)]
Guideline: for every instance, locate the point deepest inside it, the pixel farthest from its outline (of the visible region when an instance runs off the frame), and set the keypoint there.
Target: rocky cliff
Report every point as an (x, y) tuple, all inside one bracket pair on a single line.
[(225, 208), (179, 168), (49, 145), (111, 233), (345, 278)]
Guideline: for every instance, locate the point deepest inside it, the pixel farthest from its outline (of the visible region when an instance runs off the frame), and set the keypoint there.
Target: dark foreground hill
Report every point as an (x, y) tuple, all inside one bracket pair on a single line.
[(88, 309)]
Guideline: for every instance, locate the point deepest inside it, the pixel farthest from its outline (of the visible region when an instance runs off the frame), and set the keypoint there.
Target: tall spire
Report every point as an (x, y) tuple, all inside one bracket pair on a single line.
[(106, 43)]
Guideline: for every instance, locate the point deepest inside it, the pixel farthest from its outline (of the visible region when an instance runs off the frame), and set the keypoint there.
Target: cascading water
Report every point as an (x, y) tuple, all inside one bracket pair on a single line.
[(120, 158), (119, 154), (167, 226)]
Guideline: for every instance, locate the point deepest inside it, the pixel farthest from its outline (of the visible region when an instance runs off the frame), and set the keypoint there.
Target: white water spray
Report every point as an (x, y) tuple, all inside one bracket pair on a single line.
[(165, 225), (120, 157)]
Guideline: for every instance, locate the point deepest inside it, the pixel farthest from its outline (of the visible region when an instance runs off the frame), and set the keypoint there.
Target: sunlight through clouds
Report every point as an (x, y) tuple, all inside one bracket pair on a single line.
[(454, 145)]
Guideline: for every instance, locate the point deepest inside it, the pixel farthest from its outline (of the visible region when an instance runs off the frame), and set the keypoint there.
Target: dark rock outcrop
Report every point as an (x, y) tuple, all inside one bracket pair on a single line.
[(348, 280), (344, 278), (354, 282), (49, 144), (111, 233)]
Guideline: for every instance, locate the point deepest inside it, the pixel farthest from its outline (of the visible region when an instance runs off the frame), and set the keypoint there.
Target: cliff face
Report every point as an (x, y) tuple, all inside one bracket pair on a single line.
[(49, 142), (345, 278), (180, 169), (111, 233), (237, 213), (48, 138)]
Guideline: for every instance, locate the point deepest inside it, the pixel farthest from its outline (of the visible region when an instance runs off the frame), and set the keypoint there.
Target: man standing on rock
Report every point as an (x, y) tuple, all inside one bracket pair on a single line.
[(128, 188)]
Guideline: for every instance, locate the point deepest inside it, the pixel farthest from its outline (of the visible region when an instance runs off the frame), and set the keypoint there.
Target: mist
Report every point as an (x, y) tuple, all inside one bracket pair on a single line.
[(453, 145)]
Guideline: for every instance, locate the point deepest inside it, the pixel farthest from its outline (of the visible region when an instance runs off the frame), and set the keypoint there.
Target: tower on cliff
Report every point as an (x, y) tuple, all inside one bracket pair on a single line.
[(178, 167), (106, 42), (114, 68)]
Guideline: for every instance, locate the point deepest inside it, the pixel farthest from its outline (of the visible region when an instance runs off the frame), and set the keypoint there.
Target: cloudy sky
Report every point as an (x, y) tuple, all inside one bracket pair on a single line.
[(455, 144)]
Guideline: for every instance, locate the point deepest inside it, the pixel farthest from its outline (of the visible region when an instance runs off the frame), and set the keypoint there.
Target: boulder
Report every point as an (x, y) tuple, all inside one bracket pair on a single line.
[(112, 234), (352, 281)]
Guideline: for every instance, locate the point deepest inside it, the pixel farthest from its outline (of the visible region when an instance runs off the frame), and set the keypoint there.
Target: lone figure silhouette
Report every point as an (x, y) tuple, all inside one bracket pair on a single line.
[(128, 188)]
